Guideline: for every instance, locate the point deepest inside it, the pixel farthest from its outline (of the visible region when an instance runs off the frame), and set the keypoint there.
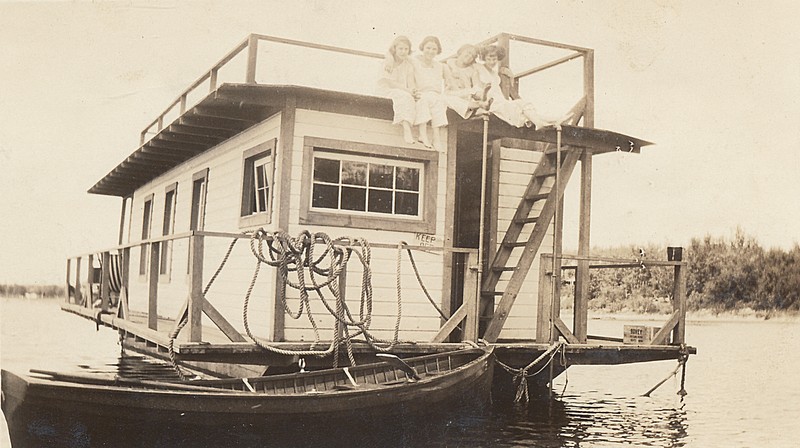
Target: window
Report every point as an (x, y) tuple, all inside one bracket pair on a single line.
[(147, 216), (168, 228), (367, 185), (257, 184), (198, 212), (351, 184)]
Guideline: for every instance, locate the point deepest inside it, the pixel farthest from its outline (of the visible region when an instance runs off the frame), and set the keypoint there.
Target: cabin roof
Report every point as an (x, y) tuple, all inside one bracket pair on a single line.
[(233, 108)]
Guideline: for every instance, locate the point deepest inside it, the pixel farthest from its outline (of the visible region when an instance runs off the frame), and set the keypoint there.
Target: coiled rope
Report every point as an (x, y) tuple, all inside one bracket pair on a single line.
[(520, 376), (295, 256)]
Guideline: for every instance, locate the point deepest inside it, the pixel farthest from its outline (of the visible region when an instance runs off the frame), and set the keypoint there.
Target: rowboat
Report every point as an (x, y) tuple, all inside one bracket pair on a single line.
[(369, 392)]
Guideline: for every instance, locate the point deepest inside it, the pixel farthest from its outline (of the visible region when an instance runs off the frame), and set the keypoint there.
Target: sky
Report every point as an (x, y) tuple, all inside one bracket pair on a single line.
[(715, 84)]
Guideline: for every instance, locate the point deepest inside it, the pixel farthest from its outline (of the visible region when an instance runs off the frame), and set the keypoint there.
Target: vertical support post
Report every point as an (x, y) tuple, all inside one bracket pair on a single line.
[(90, 282), (544, 311), (66, 290), (126, 273), (582, 273), (78, 294), (471, 298), (588, 88), (679, 302), (183, 104), (196, 297), (105, 282), (142, 137), (152, 294), (122, 218), (212, 83), (252, 55)]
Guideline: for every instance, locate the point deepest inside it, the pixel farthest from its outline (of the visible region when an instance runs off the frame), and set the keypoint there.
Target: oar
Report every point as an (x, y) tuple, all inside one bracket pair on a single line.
[(100, 381), (398, 363)]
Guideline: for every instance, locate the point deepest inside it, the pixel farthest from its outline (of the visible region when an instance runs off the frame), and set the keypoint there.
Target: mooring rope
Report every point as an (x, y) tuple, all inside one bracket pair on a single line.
[(520, 376)]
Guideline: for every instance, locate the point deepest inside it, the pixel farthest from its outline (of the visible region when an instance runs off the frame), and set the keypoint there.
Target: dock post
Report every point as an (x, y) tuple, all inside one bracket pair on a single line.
[(90, 281), (582, 280), (196, 297), (152, 295), (679, 301), (66, 290)]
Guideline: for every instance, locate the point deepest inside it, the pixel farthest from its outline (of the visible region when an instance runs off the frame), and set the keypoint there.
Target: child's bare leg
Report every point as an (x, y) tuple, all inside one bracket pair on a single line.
[(437, 139), (407, 136), (423, 135)]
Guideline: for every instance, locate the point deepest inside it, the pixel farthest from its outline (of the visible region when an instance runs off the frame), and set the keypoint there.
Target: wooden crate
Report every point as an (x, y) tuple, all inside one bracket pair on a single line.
[(639, 334)]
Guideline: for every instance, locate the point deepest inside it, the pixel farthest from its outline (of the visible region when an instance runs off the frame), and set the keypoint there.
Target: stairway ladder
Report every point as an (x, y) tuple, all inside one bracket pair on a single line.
[(534, 193)]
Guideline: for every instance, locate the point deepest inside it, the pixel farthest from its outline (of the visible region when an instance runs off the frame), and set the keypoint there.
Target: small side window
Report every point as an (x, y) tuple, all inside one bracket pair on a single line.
[(258, 171)]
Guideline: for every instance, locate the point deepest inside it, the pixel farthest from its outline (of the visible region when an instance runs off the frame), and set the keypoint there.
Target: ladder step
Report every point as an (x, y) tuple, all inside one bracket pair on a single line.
[(504, 268), (491, 293), (548, 173), (537, 197), (526, 220), (516, 244)]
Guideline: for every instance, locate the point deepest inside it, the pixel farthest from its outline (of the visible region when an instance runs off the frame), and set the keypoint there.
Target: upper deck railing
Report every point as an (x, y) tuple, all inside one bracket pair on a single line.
[(250, 63)]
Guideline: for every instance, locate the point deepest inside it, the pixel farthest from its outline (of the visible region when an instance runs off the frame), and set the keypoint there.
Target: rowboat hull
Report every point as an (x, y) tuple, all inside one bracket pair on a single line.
[(388, 397)]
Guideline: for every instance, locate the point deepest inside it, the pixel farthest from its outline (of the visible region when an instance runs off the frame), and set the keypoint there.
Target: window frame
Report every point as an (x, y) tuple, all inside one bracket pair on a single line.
[(247, 216), (197, 211), (147, 232), (425, 222), (168, 228)]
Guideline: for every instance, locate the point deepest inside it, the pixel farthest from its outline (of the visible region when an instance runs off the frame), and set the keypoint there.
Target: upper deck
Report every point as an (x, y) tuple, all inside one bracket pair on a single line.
[(246, 86)]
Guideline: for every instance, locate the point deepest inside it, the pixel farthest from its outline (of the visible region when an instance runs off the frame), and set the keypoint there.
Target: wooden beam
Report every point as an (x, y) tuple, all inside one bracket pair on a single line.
[(285, 150), (189, 140), (471, 304), (211, 133), (582, 280), (105, 282), (562, 328), (219, 320), (679, 302), (197, 248), (661, 336), (152, 292), (550, 64), (544, 309), (451, 324)]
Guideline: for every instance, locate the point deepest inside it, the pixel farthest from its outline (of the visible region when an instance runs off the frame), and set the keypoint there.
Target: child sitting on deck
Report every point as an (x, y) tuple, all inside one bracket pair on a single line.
[(397, 83), (465, 93), (429, 76), (506, 103)]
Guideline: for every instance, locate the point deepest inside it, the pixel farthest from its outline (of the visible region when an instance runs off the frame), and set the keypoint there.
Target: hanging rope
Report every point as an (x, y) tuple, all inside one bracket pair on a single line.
[(185, 318), (520, 376), (681, 364)]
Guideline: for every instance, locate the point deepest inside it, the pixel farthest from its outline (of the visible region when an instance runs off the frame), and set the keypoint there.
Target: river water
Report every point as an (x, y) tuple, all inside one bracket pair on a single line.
[(743, 391)]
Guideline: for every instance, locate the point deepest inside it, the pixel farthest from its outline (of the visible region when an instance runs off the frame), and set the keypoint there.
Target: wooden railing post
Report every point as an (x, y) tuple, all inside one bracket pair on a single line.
[(90, 282), (66, 287), (581, 307), (252, 55), (544, 311), (126, 273), (152, 294), (78, 294), (196, 243), (105, 281), (471, 299), (212, 83)]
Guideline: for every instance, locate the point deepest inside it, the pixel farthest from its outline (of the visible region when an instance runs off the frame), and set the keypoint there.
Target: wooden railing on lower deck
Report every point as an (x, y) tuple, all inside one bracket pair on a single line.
[(97, 295), (550, 327)]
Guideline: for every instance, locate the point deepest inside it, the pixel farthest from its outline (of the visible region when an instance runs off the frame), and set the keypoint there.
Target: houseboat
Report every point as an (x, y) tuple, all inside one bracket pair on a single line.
[(270, 223)]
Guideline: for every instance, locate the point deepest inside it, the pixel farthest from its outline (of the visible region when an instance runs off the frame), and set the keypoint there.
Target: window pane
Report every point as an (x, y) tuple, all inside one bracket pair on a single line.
[(261, 195), (407, 204), (407, 178), (326, 170), (380, 176), (380, 201), (354, 198), (325, 196), (260, 178), (354, 173)]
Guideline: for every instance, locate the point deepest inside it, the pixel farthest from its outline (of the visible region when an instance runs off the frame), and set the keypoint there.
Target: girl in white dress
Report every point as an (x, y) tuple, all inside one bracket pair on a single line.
[(506, 104), (397, 82), (464, 93), (429, 77)]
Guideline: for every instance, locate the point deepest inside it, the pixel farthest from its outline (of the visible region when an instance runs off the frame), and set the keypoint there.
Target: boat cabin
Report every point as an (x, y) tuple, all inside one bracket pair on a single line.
[(464, 243)]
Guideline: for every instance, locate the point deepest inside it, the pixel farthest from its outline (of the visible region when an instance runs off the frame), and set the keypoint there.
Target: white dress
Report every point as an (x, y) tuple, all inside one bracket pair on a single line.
[(510, 111), (398, 75), (430, 105)]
